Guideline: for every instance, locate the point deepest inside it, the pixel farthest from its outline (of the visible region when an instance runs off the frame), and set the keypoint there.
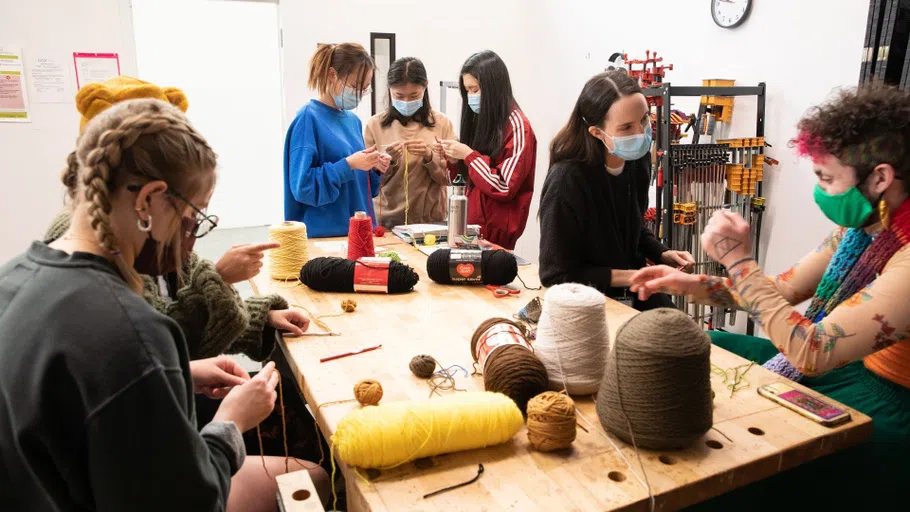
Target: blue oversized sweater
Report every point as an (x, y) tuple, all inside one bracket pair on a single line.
[(320, 188)]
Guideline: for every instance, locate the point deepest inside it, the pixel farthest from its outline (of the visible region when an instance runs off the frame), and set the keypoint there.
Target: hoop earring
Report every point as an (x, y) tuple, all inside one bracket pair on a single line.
[(146, 227), (884, 213)]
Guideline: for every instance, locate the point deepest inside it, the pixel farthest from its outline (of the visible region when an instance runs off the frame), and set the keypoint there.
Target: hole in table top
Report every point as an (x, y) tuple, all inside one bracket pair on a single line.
[(667, 459), (616, 476), (714, 444), (756, 431), (301, 495)]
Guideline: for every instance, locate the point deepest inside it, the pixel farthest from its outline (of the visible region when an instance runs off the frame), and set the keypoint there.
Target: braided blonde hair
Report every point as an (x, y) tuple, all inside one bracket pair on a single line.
[(147, 139)]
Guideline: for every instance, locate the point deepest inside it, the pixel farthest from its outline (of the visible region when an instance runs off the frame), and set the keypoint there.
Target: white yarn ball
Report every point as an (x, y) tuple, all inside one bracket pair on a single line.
[(572, 338)]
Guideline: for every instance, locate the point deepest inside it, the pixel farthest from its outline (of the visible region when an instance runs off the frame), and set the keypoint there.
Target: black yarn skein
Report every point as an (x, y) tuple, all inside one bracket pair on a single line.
[(337, 275), (497, 267)]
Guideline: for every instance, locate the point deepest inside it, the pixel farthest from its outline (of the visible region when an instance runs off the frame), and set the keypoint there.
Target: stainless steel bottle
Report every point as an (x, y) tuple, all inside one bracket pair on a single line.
[(457, 211)]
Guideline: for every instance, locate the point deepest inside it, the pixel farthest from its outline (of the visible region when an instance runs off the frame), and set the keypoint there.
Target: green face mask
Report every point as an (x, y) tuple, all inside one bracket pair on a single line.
[(850, 209)]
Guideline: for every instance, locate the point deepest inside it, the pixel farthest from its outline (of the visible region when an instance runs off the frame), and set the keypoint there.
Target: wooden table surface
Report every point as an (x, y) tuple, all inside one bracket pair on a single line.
[(752, 437)]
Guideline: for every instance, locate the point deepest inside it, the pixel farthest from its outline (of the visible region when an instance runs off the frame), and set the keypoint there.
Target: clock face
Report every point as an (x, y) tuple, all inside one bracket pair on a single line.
[(730, 13)]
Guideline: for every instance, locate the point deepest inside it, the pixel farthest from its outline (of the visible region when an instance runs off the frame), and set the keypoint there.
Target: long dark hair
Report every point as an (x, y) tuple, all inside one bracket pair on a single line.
[(404, 71), (574, 142), (349, 60), (483, 132)]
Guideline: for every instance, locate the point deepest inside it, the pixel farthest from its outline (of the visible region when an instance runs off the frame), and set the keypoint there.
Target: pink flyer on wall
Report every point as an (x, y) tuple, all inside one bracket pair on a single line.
[(95, 67)]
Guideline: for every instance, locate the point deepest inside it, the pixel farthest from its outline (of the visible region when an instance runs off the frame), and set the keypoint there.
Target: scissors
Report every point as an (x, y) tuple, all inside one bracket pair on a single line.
[(502, 291)]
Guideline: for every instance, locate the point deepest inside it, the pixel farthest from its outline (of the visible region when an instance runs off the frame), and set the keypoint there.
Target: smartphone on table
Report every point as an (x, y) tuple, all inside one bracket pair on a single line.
[(811, 407)]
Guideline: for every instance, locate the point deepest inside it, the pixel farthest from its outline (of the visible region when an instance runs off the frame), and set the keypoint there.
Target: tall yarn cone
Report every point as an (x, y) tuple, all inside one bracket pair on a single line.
[(657, 382), (572, 338), (394, 433), (286, 261)]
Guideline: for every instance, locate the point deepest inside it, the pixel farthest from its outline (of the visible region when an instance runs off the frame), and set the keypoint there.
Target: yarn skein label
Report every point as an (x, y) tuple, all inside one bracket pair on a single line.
[(372, 275), (496, 337), (464, 266)]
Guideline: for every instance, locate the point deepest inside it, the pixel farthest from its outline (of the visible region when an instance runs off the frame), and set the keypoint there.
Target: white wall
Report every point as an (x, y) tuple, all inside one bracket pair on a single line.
[(33, 154), (800, 49), (232, 79)]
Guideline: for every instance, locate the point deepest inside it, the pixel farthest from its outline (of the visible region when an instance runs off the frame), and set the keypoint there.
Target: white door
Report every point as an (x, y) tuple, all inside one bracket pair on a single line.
[(225, 55)]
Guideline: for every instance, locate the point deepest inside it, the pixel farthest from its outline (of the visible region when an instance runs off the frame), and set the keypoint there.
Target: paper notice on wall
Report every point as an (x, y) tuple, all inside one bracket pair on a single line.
[(95, 67), (13, 95), (49, 80)]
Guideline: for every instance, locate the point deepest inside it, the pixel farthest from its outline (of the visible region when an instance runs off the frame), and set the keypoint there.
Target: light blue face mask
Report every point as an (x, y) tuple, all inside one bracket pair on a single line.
[(632, 147), (348, 99), (407, 108), (474, 102)]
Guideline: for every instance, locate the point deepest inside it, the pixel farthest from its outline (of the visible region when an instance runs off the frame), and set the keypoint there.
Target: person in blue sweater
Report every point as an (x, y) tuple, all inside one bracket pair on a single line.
[(328, 173)]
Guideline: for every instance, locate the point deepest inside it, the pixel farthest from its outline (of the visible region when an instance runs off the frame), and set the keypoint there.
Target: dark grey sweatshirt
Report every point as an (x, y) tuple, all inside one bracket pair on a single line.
[(96, 397)]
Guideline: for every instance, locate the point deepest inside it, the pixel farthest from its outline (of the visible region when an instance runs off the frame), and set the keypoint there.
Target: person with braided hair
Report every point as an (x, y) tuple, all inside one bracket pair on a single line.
[(95, 372), (214, 319), (853, 341)]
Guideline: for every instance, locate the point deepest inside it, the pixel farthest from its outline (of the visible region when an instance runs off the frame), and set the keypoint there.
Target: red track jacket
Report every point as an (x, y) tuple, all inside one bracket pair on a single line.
[(499, 195)]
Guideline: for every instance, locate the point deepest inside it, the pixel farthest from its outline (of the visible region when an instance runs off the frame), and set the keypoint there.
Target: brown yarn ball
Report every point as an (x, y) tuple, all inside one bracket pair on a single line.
[(551, 421), (348, 305), (368, 392), (517, 373), (423, 366), (657, 384)]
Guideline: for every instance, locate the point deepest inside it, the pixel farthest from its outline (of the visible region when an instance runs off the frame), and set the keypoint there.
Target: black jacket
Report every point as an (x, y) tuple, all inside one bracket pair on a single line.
[(591, 223), (96, 397)]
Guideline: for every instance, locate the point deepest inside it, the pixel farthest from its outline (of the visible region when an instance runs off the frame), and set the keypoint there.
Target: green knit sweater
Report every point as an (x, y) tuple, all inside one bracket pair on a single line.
[(214, 319)]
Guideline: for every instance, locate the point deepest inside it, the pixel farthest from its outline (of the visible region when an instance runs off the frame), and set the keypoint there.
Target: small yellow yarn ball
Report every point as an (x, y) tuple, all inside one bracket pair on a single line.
[(348, 305), (429, 239), (551, 421), (368, 392)]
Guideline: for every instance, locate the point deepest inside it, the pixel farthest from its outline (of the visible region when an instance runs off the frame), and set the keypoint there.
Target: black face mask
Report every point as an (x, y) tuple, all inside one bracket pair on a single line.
[(147, 260)]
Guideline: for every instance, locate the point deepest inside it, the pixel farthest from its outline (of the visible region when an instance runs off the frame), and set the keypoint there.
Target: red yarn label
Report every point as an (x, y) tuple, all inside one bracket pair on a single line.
[(372, 275), (464, 266), (498, 336)]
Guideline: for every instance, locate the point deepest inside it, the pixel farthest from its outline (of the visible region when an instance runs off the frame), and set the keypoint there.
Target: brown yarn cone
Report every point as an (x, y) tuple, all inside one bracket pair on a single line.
[(658, 382), (517, 373), (486, 324)]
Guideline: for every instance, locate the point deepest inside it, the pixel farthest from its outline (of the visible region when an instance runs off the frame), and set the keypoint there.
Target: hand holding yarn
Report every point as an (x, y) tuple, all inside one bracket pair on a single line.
[(365, 160), (727, 238), (456, 150), (291, 320), (663, 279), (243, 262), (216, 376), (679, 259), (420, 147), (395, 150), (250, 403)]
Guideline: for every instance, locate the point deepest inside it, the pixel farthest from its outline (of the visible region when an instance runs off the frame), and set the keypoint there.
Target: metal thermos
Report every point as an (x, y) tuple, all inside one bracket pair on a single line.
[(457, 211)]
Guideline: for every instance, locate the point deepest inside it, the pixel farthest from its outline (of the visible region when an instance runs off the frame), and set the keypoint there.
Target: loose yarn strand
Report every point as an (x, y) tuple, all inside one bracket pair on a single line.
[(407, 203), (631, 433)]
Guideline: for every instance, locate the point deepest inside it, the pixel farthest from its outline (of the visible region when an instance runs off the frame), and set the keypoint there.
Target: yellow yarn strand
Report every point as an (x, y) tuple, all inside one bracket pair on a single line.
[(285, 262), (395, 433), (407, 204)]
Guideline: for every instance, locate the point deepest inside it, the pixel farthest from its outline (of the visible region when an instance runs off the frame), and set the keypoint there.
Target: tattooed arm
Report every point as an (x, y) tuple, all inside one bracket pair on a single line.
[(873, 319)]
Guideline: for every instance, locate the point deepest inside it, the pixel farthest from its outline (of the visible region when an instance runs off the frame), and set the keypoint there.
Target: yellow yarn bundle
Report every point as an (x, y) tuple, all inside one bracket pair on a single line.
[(394, 433), (285, 262)]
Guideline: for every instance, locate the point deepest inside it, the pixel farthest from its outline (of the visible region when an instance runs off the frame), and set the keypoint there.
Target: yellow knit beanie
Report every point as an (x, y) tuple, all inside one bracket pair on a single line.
[(93, 99)]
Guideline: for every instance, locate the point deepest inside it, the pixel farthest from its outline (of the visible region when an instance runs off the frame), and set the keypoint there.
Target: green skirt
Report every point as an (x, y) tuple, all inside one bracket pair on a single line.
[(875, 473)]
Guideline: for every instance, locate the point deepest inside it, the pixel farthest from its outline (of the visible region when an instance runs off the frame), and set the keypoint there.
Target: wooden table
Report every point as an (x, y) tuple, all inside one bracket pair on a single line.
[(753, 438)]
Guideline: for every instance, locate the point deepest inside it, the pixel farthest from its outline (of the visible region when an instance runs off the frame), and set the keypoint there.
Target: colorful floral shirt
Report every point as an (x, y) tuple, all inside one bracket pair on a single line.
[(873, 325)]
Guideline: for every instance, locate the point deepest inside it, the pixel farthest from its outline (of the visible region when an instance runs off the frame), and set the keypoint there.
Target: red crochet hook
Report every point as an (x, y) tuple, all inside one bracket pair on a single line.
[(346, 354)]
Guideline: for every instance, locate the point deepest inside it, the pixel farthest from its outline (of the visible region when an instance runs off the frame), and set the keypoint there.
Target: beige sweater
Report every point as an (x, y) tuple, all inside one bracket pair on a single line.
[(426, 180)]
